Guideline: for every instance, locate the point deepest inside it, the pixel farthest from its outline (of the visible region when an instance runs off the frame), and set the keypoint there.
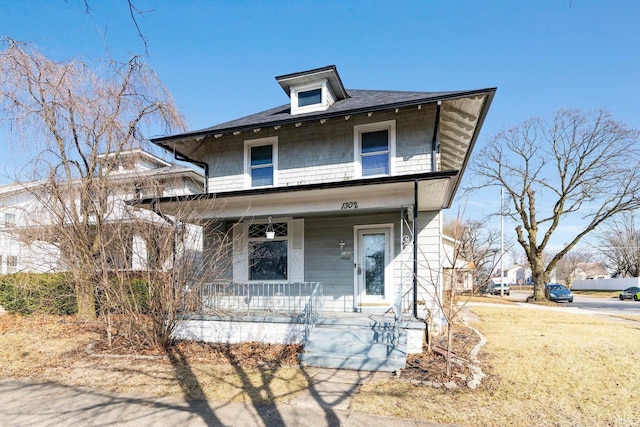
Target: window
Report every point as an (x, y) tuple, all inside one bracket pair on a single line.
[(309, 97), (375, 153), (268, 259), (261, 162), (12, 263), (9, 219), (374, 146)]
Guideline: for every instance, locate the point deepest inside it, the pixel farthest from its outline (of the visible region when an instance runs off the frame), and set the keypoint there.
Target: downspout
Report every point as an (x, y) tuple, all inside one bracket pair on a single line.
[(203, 165), (415, 249)]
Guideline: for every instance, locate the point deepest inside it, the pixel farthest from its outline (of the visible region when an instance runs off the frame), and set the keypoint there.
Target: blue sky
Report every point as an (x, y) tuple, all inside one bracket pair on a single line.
[(219, 58)]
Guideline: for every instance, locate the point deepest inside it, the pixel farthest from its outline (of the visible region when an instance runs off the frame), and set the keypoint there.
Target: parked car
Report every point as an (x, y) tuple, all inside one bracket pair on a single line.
[(557, 292), (496, 289), (629, 293)]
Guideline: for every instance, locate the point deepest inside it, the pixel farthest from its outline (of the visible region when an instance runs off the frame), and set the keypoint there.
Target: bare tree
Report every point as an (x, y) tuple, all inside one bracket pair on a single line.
[(80, 117), (619, 244), (568, 267), (579, 169), (444, 289), (477, 245)]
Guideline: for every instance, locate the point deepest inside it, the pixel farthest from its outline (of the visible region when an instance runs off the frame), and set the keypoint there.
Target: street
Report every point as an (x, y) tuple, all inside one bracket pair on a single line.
[(608, 305)]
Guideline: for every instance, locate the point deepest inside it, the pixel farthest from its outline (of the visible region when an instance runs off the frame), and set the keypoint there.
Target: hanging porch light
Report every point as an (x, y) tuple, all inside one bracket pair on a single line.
[(270, 233)]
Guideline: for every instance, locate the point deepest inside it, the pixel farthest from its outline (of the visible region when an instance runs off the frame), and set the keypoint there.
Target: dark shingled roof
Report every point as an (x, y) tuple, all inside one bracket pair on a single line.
[(359, 101)]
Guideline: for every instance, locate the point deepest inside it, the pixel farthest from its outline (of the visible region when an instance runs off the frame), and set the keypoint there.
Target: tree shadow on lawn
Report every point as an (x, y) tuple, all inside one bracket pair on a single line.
[(190, 386)]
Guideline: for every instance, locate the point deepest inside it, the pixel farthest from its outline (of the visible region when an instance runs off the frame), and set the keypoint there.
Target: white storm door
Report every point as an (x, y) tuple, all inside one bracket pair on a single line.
[(372, 265)]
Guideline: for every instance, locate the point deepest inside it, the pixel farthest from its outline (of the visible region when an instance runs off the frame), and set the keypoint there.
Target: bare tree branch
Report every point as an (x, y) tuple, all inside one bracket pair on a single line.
[(579, 168)]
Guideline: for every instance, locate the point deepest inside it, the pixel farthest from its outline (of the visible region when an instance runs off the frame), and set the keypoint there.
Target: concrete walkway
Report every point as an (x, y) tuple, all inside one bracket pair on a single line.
[(325, 403)]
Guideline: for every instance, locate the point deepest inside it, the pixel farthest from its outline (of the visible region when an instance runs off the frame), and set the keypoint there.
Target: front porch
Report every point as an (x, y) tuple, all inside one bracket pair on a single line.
[(293, 314)]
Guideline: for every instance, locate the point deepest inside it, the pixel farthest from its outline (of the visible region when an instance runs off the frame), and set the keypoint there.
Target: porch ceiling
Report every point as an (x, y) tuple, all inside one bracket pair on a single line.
[(433, 192)]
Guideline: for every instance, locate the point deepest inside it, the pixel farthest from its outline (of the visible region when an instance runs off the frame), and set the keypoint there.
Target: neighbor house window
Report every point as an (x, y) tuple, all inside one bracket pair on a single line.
[(268, 258), (12, 263), (374, 146), (261, 162), (9, 219)]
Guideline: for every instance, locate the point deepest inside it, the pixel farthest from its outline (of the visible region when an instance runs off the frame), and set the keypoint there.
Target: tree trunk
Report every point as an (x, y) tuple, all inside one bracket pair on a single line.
[(86, 301), (540, 278)]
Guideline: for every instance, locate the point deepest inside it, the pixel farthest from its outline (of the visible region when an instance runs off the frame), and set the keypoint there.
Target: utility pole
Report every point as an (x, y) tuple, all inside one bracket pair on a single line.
[(501, 241)]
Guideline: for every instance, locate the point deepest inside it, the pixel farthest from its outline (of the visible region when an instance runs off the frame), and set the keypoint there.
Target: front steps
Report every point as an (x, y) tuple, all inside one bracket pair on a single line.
[(356, 342)]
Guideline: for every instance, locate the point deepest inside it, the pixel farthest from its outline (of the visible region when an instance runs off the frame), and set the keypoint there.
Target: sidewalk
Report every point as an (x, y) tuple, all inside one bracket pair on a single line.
[(325, 403)]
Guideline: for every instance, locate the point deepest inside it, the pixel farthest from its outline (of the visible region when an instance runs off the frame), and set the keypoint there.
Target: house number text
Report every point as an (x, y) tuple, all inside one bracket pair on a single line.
[(350, 205)]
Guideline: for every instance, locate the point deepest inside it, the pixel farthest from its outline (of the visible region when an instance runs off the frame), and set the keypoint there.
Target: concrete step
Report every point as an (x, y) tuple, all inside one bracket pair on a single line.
[(356, 363), (359, 345), (349, 348), (322, 333)]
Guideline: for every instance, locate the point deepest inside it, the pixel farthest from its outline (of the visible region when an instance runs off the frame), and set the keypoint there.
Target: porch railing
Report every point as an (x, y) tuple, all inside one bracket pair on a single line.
[(312, 311), (293, 299)]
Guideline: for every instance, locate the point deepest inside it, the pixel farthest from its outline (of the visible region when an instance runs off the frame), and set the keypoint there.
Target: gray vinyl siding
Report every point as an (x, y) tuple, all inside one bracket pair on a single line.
[(323, 260), (316, 152)]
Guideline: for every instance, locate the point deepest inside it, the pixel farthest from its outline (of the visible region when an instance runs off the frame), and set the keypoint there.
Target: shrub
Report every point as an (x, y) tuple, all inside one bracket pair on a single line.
[(27, 293)]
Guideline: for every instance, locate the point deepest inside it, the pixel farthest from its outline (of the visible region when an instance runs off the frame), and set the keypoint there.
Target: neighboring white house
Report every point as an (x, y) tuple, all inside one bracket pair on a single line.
[(456, 268), (590, 270), (350, 182), (20, 208), (516, 274)]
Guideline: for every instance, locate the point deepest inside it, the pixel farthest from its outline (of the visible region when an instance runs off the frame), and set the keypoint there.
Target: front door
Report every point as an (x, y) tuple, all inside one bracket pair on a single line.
[(373, 257)]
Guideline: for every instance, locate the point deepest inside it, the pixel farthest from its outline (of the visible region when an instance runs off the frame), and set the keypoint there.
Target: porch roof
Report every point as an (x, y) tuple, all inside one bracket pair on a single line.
[(433, 191)]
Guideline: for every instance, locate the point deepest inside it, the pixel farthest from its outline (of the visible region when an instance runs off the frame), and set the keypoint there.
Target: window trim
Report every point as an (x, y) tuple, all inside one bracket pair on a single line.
[(250, 143), (250, 240), (358, 130), (12, 264), (326, 98), (9, 219)]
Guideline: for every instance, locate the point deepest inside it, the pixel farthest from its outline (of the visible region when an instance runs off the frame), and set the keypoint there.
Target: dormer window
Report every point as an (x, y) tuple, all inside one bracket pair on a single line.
[(309, 97), (313, 90)]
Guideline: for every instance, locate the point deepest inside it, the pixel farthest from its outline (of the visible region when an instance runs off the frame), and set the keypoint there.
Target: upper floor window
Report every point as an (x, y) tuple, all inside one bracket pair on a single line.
[(261, 162), (374, 147)]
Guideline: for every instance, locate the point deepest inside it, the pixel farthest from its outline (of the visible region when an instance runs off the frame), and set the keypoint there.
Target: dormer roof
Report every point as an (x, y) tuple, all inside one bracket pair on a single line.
[(304, 78)]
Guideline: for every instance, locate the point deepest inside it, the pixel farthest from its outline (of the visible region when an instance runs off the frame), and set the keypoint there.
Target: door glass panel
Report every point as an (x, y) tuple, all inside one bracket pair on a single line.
[(374, 263)]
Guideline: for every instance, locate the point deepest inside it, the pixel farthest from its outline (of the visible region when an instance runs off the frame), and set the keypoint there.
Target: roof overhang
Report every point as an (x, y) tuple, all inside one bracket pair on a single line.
[(462, 115), (432, 190)]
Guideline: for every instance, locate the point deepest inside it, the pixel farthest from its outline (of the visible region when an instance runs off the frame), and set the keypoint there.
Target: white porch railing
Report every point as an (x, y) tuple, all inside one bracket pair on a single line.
[(293, 299)]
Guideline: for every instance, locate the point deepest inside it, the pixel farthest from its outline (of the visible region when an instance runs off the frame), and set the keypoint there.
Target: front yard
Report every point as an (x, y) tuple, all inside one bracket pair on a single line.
[(544, 369)]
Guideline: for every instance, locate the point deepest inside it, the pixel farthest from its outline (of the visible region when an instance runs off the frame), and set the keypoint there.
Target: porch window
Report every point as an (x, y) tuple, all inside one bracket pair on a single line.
[(374, 146), (261, 162), (268, 259)]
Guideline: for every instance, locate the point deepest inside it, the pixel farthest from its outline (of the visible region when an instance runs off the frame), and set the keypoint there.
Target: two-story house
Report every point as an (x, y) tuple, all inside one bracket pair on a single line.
[(351, 182), (26, 213)]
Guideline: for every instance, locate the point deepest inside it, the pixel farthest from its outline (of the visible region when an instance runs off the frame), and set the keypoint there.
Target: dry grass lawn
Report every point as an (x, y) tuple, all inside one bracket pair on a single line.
[(51, 348), (545, 369)]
